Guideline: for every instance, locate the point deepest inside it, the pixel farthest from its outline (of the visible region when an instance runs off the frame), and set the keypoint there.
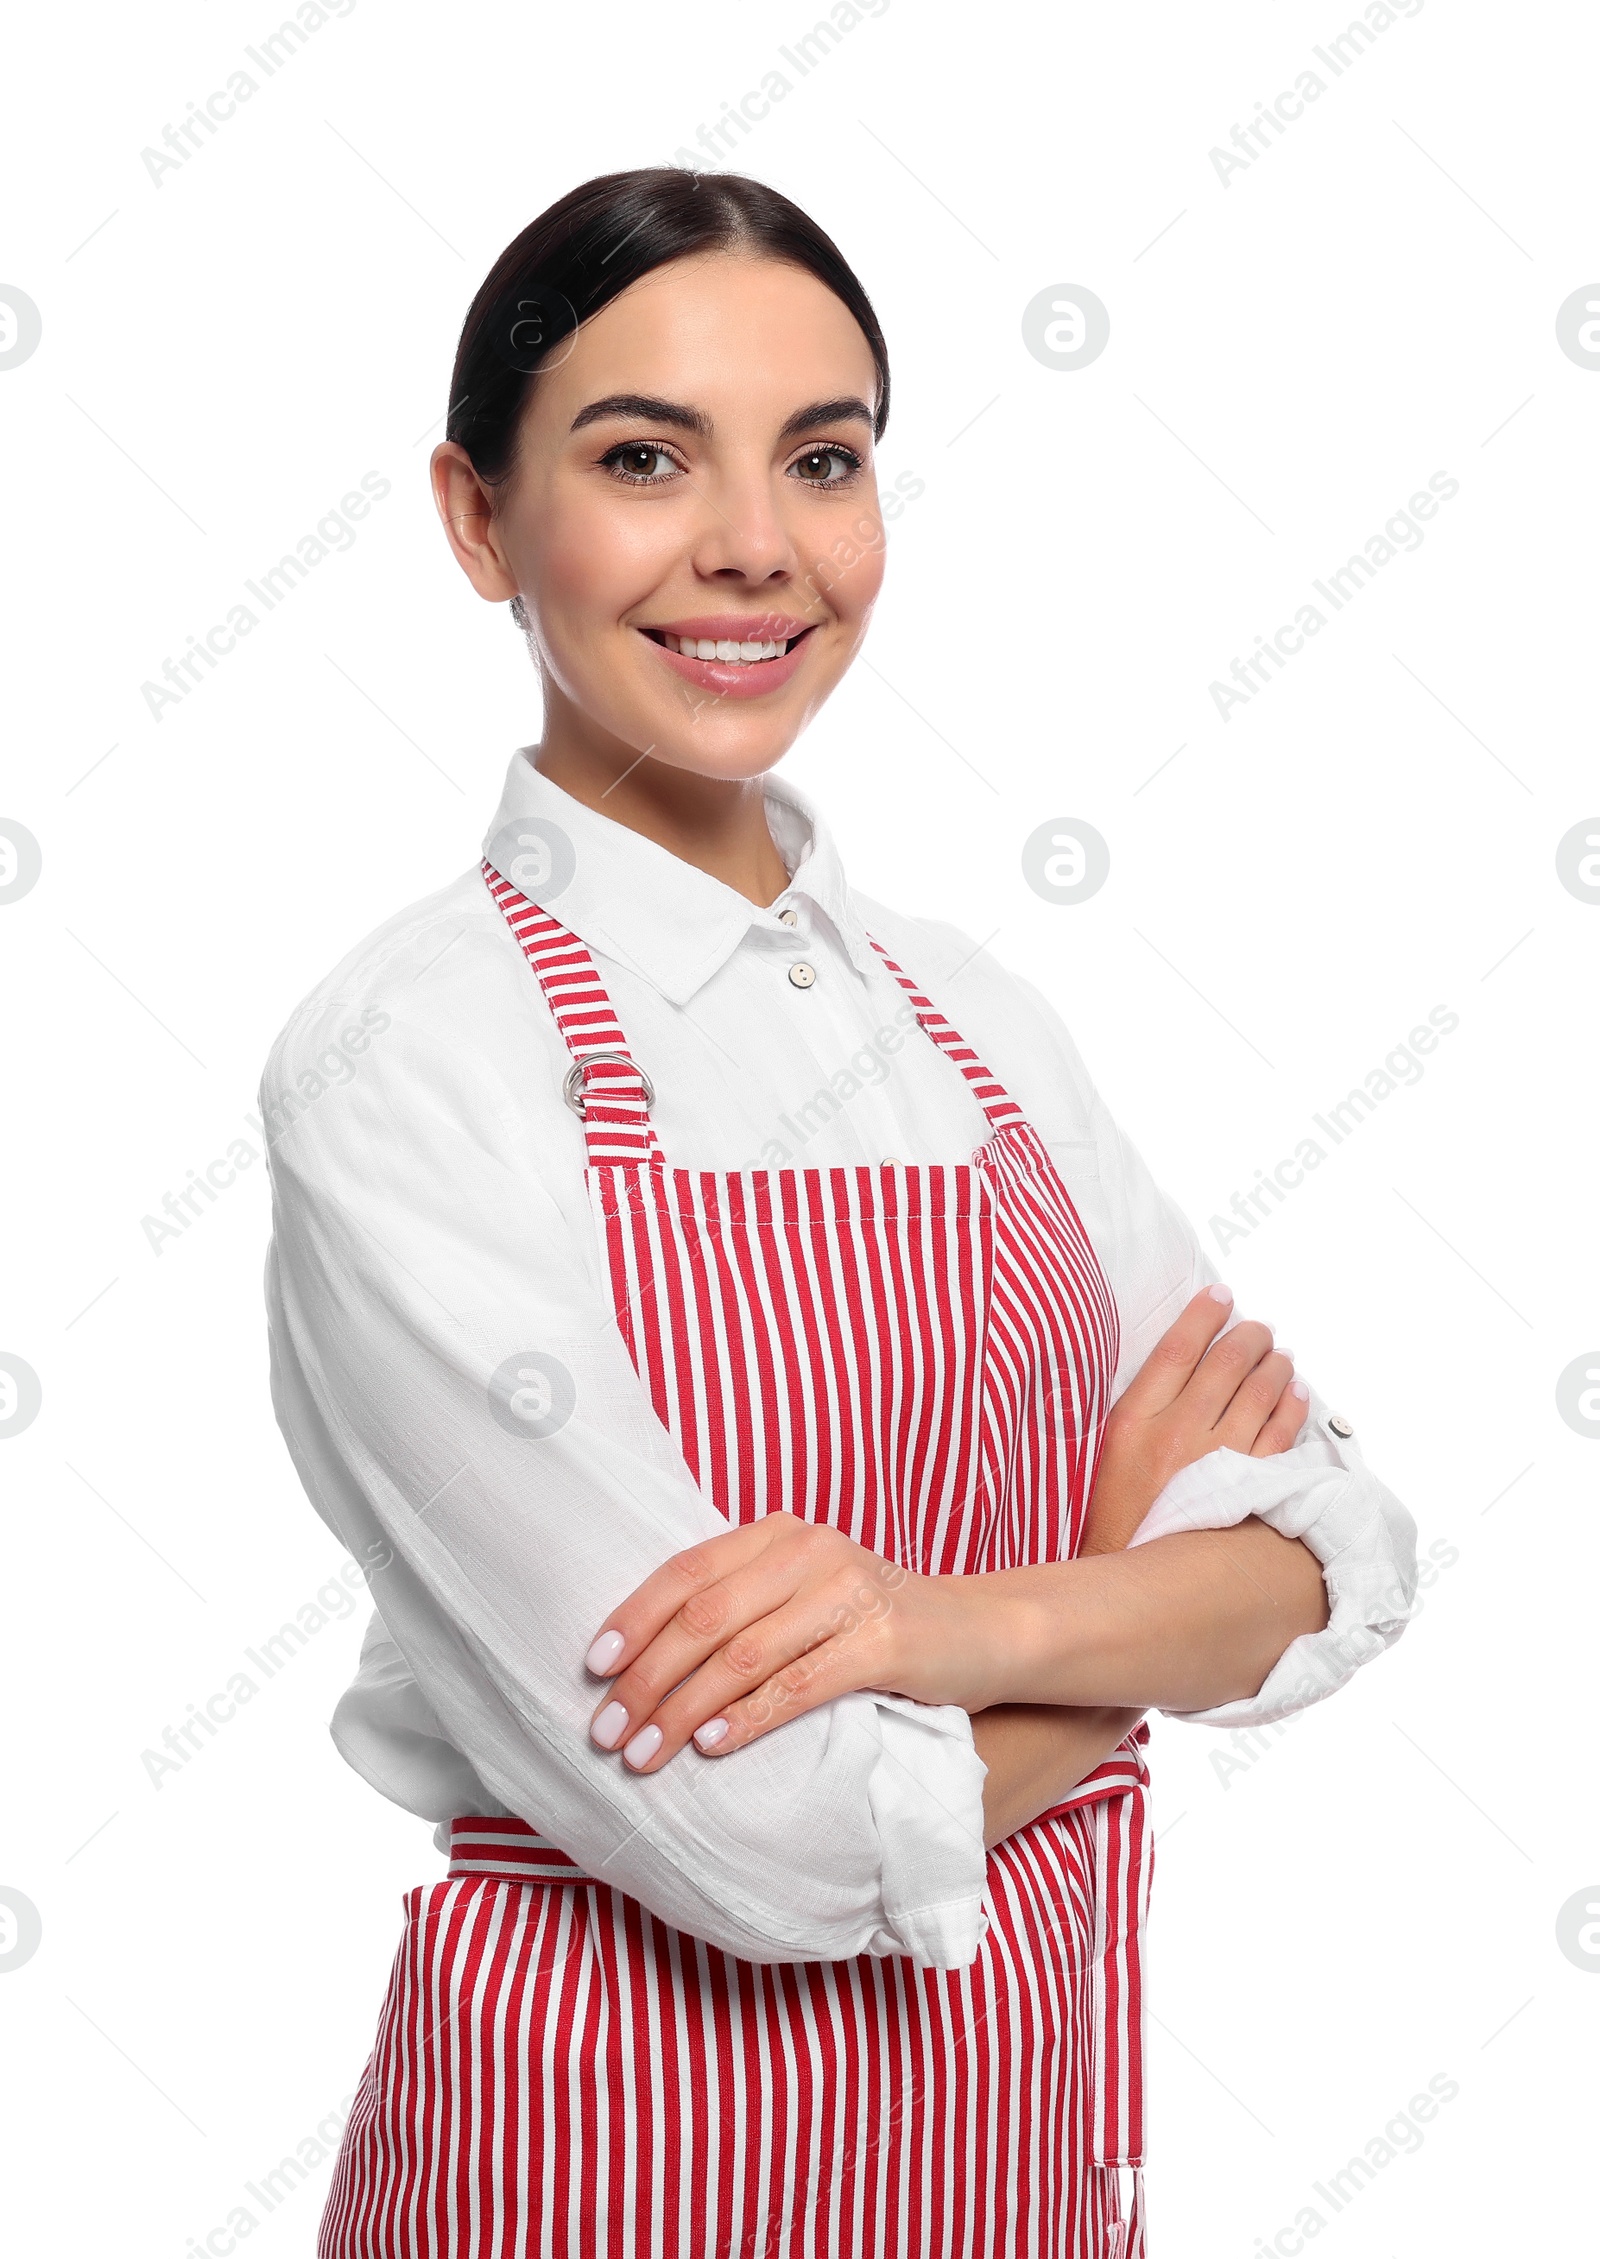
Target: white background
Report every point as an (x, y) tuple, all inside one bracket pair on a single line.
[(1371, 1898)]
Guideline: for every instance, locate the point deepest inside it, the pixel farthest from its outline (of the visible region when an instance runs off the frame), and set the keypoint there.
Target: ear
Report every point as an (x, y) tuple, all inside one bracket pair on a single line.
[(466, 511)]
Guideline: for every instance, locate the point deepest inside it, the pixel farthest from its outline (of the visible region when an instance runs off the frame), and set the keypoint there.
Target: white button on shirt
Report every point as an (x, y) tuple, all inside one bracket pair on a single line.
[(431, 1221)]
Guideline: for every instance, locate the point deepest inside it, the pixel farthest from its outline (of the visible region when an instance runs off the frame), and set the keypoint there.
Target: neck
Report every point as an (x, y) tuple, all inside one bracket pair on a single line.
[(718, 824)]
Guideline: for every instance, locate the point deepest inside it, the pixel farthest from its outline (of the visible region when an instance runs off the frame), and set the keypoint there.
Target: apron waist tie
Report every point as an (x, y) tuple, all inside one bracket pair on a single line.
[(508, 1850), (1115, 1796)]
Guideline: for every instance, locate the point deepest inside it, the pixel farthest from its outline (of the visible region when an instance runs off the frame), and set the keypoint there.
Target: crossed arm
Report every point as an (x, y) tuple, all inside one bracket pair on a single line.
[(1229, 1602), (1056, 1662)]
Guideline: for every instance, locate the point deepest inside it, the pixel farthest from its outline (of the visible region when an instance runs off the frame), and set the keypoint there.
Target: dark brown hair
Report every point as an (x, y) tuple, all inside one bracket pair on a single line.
[(585, 250)]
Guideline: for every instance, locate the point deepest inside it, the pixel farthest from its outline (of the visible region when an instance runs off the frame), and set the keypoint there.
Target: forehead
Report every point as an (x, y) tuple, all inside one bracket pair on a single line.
[(742, 338)]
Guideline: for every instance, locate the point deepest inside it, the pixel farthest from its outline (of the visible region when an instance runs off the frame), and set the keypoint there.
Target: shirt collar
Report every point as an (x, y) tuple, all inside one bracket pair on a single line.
[(637, 902)]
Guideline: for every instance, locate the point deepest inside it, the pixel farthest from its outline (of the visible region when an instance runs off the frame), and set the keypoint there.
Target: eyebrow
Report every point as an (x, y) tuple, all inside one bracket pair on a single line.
[(643, 407)]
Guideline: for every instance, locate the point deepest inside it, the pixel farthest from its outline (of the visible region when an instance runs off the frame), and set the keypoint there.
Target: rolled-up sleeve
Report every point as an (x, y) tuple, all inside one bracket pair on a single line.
[(423, 1249), (1320, 1491), (1323, 1492)]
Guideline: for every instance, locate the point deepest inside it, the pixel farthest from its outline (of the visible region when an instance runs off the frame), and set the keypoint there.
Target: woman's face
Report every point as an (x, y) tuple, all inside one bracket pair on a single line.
[(694, 470)]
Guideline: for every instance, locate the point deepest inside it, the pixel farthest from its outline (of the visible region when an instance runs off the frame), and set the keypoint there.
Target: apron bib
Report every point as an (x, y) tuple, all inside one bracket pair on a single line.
[(921, 1356)]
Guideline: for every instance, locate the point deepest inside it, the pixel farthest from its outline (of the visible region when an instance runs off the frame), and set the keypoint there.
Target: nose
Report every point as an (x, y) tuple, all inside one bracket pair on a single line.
[(743, 532)]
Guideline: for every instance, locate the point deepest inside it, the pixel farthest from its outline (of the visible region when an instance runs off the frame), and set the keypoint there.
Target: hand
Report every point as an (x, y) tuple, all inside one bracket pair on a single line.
[(1199, 1388), (1035, 1753), (750, 1629), (760, 1624)]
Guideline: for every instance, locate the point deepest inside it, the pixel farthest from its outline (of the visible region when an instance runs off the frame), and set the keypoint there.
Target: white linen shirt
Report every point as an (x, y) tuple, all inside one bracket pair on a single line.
[(430, 1221)]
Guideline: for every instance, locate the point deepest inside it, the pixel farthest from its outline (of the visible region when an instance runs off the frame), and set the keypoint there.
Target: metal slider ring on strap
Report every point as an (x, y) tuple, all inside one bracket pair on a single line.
[(572, 1087)]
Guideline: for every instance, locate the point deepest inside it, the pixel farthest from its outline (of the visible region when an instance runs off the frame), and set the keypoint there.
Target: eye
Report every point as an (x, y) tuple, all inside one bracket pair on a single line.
[(833, 465), (639, 462)]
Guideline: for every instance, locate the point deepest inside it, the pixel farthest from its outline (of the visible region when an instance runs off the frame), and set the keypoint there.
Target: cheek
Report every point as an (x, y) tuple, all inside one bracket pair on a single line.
[(845, 563), (859, 591), (585, 567), (582, 568)]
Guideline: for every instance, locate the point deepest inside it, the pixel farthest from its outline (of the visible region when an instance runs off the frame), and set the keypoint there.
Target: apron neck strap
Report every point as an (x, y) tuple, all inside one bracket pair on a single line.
[(605, 1087), (1000, 1108), (610, 1090)]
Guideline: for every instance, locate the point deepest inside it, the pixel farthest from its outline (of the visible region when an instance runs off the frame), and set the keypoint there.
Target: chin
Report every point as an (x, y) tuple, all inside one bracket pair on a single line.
[(736, 754)]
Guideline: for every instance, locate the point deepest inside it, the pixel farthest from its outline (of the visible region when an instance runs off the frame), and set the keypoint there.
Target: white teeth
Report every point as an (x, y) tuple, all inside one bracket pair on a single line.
[(725, 649)]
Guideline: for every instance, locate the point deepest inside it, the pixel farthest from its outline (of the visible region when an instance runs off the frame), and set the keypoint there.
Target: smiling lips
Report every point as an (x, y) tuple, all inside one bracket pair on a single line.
[(737, 655)]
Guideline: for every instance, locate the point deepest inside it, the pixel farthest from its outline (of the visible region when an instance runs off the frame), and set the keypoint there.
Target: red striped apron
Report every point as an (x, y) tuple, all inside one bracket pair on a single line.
[(921, 1356)]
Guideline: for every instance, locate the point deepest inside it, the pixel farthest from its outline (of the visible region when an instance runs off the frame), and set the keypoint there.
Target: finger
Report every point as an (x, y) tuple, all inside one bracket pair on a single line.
[(787, 1663), (730, 1610), (1221, 1371), (1250, 1407), (821, 1676), (630, 1628), (1166, 1372), (1288, 1418)]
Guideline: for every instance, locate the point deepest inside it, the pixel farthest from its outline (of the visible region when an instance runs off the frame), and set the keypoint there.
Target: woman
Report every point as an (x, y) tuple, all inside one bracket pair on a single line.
[(719, 1311)]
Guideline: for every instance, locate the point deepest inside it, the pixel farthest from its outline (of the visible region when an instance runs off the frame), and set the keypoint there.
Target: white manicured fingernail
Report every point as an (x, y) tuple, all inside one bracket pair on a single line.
[(643, 1746), (1299, 1388), (604, 1655), (1220, 1293), (713, 1731), (1282, 1352), (609, 1728)]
